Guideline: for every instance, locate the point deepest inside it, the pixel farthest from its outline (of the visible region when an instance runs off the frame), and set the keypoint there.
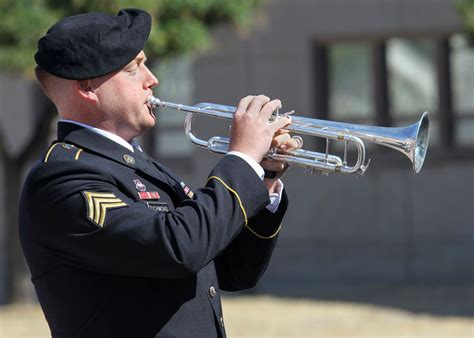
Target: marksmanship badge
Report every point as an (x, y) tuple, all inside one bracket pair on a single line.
[(139, 185)]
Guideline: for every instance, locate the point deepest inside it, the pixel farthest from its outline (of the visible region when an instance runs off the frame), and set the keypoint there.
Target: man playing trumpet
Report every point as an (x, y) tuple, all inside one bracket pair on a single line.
[(118, 245)]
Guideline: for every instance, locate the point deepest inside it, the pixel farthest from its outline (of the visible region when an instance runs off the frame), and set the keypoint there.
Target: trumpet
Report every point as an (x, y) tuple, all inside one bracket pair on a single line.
[(411, 140)]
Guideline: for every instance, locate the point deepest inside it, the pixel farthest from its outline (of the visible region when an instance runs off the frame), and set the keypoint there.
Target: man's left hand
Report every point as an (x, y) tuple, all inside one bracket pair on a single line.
[(284, 142)]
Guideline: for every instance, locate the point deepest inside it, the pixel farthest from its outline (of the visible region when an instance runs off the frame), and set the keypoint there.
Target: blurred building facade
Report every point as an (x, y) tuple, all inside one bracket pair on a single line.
[(361, 61)]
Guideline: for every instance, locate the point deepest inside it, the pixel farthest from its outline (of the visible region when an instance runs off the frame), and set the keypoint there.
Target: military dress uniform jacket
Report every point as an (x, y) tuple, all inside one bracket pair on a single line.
[(120, 247)]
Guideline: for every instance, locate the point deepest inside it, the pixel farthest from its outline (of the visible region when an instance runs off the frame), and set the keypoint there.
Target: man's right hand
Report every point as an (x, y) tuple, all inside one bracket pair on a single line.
[(252, 132)]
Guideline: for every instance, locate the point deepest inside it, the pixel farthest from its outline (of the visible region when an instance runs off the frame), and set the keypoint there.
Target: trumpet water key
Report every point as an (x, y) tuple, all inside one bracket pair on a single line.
[(411, 140)]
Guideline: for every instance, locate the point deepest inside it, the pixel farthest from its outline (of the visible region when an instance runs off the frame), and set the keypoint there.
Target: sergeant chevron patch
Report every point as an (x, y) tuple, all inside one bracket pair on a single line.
[(98, 203)]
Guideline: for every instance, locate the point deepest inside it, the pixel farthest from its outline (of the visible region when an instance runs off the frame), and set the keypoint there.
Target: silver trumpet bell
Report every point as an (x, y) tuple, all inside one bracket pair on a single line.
[(411, 140)]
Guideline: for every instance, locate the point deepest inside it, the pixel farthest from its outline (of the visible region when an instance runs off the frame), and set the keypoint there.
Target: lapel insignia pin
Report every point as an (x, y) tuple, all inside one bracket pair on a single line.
[(129, 159), (139, 185)]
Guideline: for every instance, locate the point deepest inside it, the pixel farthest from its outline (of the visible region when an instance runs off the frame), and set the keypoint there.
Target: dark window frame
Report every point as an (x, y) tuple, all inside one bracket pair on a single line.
[(447, 117)]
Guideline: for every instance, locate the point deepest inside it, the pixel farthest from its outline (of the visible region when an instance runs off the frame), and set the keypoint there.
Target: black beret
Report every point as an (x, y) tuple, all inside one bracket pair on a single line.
[(90, 45)]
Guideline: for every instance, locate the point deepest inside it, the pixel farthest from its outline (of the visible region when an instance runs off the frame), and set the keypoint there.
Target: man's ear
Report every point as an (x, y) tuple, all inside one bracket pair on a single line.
[(86, 90)]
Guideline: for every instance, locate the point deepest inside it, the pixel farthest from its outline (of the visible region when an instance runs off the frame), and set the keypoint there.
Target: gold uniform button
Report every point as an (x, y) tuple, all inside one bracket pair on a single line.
[(129, 159), (221, 320), (212, 292)]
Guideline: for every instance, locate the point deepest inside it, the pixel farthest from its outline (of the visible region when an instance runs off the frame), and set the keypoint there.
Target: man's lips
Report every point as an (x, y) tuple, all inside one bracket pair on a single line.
[(151, 110)]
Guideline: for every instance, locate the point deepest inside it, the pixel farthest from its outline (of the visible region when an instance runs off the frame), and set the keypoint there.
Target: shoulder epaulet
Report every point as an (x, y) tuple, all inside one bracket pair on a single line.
[(62, 150)]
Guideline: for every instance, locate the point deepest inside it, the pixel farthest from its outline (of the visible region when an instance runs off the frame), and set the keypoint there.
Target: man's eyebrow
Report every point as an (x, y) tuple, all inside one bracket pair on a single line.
[(131, 63), (137, 61)]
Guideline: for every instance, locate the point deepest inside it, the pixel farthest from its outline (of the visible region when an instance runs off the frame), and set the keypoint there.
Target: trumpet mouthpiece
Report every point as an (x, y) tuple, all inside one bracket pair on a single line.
[(155, 102)]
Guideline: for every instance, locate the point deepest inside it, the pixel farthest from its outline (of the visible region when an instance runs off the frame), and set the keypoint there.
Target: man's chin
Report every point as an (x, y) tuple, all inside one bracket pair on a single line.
[(146, 127)]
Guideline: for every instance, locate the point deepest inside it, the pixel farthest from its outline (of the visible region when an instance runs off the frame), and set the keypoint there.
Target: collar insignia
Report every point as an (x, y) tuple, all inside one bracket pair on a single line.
[(129, 159)]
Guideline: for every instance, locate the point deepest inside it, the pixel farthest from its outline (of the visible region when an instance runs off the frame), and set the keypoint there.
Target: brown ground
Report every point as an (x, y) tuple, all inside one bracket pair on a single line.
[(269, 316)]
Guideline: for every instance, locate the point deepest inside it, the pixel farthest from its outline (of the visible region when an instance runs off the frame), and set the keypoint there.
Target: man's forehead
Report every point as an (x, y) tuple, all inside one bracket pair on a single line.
[(140, 57)]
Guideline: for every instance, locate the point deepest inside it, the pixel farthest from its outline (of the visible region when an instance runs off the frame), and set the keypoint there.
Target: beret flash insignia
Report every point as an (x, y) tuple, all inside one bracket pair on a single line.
[(98, 203)]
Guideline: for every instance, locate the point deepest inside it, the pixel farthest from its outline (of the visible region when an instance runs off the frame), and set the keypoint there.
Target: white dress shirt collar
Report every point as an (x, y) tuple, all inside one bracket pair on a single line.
[(107, 134)]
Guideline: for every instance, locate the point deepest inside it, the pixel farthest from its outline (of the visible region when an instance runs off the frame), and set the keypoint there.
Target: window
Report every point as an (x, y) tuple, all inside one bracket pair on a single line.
[(462, 61), (393, 82), (412, 82), (350, 88)]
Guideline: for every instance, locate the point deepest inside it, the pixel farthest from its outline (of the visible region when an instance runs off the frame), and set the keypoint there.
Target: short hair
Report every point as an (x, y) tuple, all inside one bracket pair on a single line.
[(49, 83)]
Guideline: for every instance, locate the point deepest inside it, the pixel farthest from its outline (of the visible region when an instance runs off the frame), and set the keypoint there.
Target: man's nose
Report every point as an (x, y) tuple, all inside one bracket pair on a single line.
[(151, 80)]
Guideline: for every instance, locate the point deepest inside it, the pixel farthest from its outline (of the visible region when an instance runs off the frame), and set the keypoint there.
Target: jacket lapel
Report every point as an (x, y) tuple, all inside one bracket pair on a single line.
[(98, 144), (175, 182)]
